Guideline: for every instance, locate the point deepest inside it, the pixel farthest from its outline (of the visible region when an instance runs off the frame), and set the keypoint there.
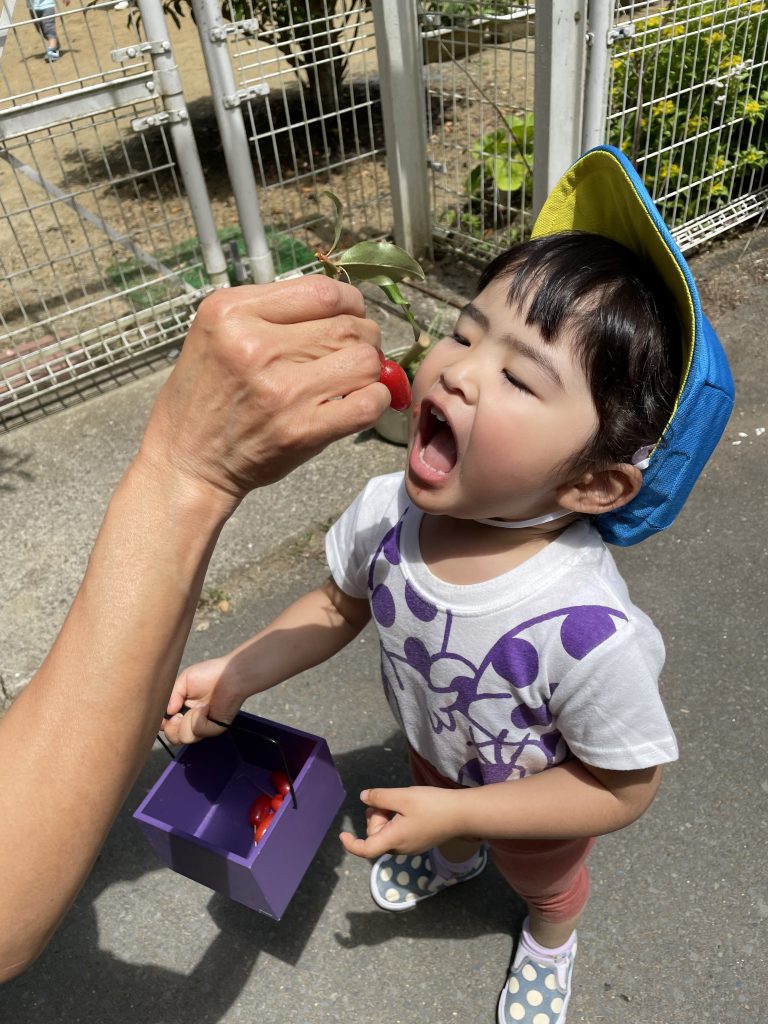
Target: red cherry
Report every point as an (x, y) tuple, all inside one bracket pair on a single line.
[(260, 806), (276, 801), (396, 379), (261, 828), (280, 782)]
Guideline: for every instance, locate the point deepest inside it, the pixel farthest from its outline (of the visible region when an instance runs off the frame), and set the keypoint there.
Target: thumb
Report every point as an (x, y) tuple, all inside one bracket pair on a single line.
[(383, 799)]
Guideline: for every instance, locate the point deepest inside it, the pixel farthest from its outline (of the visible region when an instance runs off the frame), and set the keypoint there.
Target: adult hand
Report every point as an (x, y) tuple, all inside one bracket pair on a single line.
[(408, 820), (265, 363)]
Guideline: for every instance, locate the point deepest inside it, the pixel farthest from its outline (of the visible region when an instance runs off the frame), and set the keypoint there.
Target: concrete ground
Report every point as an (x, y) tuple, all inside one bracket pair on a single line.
[(675, 932)]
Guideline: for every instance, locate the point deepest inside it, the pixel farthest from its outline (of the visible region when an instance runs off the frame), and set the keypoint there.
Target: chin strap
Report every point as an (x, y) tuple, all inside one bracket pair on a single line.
[(640, 460), (519, 524)]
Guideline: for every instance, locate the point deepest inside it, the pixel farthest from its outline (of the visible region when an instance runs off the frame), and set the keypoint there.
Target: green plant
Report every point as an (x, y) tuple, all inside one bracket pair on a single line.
[(505, 157), (381, 263), (498, 185), (705, 142)]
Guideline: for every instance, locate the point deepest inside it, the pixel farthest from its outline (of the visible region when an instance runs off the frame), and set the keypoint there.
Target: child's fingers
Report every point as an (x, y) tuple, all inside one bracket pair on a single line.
[(375, 820), (371, 847), (191, 727), (384, 799)]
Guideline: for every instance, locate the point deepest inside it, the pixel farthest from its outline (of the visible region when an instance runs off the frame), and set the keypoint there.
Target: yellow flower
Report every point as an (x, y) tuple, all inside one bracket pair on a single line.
[(717, 188), (674, 31), (752, 107), (650, 23), (715, 37), (664, 107), (732, 62)]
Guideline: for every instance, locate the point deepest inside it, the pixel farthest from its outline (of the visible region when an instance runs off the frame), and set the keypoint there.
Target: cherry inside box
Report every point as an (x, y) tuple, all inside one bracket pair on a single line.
[(196, 814)]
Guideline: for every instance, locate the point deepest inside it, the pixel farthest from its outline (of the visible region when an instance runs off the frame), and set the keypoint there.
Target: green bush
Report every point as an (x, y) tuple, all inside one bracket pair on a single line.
[(498, 182), (694, 105)]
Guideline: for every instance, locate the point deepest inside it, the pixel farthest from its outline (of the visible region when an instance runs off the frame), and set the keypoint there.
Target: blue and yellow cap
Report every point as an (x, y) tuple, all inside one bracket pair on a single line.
[(603, 193)]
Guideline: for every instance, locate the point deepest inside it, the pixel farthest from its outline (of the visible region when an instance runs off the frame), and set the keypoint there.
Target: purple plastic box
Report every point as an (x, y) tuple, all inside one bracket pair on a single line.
[(196, 814)]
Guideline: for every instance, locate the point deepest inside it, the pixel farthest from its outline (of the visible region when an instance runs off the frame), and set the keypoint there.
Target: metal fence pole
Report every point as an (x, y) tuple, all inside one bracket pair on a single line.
[(168, 81), (401, 71), (596, 83), (561, 31), (234, 140)]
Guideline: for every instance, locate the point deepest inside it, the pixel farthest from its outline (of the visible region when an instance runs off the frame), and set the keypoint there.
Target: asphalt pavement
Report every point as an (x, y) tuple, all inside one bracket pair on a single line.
[(675, 930)]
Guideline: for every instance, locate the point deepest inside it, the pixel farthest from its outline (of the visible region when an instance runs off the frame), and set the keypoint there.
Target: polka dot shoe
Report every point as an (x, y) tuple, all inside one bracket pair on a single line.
[(399, 882), (537, 989)]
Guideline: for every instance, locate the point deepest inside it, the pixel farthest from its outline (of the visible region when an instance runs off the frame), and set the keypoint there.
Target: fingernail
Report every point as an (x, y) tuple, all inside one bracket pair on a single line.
[(364, 795)]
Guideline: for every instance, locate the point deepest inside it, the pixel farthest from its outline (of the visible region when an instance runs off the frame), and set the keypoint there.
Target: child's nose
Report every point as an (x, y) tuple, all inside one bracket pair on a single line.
[(460, 377)]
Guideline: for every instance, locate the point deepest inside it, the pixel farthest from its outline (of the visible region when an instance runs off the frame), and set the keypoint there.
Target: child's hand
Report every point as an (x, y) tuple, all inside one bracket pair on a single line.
[(208, 689), (408, 820)]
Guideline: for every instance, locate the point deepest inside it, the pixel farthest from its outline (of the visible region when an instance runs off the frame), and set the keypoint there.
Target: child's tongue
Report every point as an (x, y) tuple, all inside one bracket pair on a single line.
[(440, 451)]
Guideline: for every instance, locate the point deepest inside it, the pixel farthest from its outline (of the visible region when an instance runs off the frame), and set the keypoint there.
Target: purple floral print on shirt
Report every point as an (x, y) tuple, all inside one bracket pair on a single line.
[(460, 696)]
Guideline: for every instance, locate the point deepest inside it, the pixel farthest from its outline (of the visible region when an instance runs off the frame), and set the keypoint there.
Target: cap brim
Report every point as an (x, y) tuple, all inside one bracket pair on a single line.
[(603, 193)]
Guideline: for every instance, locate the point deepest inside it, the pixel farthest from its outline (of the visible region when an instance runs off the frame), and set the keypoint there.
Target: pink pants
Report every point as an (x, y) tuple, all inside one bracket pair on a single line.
[(549, 874)]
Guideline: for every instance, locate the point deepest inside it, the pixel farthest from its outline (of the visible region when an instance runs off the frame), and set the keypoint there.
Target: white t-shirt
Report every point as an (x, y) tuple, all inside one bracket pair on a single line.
[(505, 678)]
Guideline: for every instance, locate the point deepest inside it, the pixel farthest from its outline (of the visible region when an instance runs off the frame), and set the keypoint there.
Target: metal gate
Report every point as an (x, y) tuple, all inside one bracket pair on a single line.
[(116, 215), (107, 238)]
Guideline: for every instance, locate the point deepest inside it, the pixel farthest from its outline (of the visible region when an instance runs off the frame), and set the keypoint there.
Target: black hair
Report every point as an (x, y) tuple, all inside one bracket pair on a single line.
[(624, 325)]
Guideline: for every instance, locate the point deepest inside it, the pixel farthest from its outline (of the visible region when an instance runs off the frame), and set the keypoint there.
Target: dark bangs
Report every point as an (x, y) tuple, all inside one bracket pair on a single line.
[(623, 325)]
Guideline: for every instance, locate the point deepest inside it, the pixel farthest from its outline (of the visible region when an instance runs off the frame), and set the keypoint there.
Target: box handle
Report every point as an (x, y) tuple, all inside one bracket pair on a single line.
[(235, 725)]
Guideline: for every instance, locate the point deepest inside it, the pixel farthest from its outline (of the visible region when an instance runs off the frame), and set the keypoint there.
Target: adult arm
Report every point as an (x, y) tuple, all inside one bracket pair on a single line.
[(249, 399), (568, 801)]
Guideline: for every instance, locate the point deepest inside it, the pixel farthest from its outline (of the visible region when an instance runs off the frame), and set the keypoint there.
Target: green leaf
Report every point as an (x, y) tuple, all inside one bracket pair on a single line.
[(367, 260), (508, 175), (339, 215), (393, 293)]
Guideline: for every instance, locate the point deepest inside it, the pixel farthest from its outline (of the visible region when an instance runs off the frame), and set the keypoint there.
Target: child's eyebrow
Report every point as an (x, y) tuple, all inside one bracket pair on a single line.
[(535, 355)]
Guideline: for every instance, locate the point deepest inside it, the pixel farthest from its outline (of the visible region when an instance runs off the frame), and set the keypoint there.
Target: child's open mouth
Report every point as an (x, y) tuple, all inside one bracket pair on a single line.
[(434, 450)]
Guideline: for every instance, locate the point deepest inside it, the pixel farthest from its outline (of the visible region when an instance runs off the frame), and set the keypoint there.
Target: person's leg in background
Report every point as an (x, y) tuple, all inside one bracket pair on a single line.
[(45, 19)]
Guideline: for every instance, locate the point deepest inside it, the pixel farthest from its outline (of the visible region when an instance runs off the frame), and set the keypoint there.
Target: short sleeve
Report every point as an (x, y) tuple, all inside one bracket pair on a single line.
[(608, 708), (352, 540)]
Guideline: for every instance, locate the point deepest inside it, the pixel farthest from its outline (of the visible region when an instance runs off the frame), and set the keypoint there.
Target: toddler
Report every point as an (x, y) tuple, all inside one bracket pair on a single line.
[(44, 14), (522, 675)]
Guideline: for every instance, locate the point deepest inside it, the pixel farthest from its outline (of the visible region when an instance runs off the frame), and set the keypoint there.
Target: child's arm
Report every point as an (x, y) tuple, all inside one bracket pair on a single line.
[(308, 632), (568, 801)]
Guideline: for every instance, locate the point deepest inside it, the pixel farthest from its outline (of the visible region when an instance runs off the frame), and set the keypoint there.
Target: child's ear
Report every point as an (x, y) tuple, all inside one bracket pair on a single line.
[(601, 490)]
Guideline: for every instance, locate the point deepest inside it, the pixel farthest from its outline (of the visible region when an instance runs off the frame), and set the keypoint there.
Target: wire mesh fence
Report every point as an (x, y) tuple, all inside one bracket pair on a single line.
[(91, 210), (479, 72), (102, 257), (688, 95), (313, 117)]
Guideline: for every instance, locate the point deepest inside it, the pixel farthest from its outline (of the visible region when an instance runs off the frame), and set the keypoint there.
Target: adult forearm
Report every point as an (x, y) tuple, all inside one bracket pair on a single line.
[(76, 737)]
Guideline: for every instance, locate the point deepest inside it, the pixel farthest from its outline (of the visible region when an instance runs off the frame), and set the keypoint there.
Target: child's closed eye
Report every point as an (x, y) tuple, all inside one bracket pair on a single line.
[(517, 383), (460, 339)]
